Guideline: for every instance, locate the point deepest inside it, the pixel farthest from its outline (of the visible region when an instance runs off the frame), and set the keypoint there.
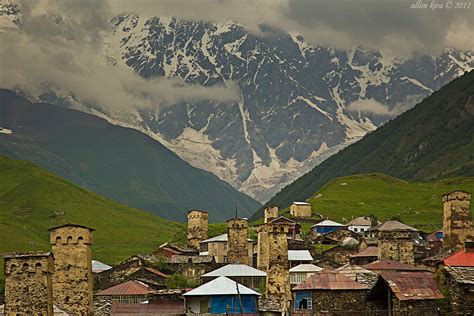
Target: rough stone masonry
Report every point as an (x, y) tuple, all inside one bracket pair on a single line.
[(237, 241), (28, 283), (72, 278), (457, 220), (198, 223)]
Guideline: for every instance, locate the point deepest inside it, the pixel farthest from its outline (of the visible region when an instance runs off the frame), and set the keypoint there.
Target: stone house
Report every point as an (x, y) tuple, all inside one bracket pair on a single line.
[(300, 209), (407, 293), (358, 274), (193, 267), (241, 273), (168, 250), (360, 224), (384, 266), (366, 256), (294, 228), (329, 292), (221, 296), (335, 237), (130, 292), (334, 257), (217, 247)]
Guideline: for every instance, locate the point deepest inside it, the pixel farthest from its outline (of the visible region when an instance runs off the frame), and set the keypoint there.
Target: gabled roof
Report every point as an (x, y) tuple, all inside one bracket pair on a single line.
[(360, 221), (306, 267), (351, 271), (299, 255), (327, 222), (98, 266), (183, 259), (127, 288), (72, 225), (390, 265), (164, 307), (367, 252), (236, 270), (413, 285), (281, 217), (220, 238), (26, 254), (392, 226), (156, 272), (300, 203), (462, 258), (329, 280), (221, 286)]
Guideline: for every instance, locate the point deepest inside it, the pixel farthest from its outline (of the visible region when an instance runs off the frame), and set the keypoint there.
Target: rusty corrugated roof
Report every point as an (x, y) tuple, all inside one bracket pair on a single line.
[(152, 308), (390, 265), (367, 252), (127, 288), (413, 285), (329, 280)]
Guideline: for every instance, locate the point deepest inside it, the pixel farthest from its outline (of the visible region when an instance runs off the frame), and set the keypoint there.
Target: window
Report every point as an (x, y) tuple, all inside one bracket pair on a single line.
[(356, 229), (225, 259), (303, 300)]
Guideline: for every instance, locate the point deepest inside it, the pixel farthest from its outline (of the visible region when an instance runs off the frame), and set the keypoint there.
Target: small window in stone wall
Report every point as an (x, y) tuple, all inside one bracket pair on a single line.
[(303, 300)]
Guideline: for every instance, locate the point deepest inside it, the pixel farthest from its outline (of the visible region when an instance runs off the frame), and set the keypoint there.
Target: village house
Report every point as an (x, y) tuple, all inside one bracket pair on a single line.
[(294, 228), (360, 224), (217, 247), (221, 296), (168, 250), (459, 276), (300, 209), (301, 272), (329, 292), (334, 256), (358, 274), (192, 267), (336, 237), (366, 256), (407, 293), (241, 273), (297, 257), (384, 266), (325, 227), (435, 242), (128, 292)]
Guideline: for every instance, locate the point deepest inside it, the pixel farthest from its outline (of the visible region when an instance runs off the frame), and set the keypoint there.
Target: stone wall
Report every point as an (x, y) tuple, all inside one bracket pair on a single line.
[(198, 223), (237, 244), (262, 246), (270, 212), (300, 210), (414, 307), (72, 279), (278, 276), (397, 246), (28, 284), (457, 220)]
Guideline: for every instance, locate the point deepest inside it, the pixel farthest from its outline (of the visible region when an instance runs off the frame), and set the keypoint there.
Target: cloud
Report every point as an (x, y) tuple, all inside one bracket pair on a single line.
[(58, 47), (388, 25), (374, 107)]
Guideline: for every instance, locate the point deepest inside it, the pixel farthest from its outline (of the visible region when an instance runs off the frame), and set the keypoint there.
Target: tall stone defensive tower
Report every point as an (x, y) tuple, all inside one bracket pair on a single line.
[(237, 241), (457, 220), (262, 246), (270, 212), (198, 223), (72, 279), (278, 276), (28, 283)]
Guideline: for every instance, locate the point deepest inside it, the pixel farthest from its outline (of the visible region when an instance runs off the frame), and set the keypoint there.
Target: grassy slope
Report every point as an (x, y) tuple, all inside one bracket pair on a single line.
[(32, 200), (418, 204), (434, 140)]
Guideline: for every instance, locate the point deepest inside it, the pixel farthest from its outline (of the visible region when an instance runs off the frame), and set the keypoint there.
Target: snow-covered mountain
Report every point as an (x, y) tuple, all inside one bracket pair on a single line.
[(299, 103)]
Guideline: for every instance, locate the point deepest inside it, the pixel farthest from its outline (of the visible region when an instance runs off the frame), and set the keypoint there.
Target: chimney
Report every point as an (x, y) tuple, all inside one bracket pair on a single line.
[(469, 246)]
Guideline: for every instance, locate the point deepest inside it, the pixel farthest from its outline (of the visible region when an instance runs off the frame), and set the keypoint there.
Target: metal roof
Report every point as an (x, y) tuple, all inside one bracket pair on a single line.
[(127, 288), (299, 255), (413, 285), (306, 267), (236, 270), (300, 203), (351, 271), (165, 307), (392, 226), (367, 252), (461, 258), (390, 265), (329, 280), (360, 221), (221, 286), (98, 266), (220, 238), (327, 222)]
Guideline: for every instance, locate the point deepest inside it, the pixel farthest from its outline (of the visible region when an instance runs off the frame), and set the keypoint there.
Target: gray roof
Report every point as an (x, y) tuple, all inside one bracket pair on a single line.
[(301, 203), (299, 255), (221, 286), (306, 267), (236, 270), (220, 238), (328, 222), (393, 226), (194, 259), (26, 254), (360, 221), (98, 266)]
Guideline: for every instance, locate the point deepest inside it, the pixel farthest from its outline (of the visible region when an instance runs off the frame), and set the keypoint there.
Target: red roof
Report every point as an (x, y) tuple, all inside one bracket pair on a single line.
[(329, 280), (390, 265), (413, 285), (127, 288), (153, 308), (461, 258), (367, 252)]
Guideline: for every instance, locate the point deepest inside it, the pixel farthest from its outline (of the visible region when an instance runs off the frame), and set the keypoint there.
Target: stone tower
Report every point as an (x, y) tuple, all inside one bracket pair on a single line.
[(237, 241), (262, 246), (278, 276), (28, 283), (72, 279), (457, 220), (270, 212), (396, 245), (198, 222)]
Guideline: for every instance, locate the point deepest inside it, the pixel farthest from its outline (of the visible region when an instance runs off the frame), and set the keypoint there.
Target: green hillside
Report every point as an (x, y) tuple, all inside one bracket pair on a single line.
[(434, 140), (120, 163), (416, 204), (33, 200)]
